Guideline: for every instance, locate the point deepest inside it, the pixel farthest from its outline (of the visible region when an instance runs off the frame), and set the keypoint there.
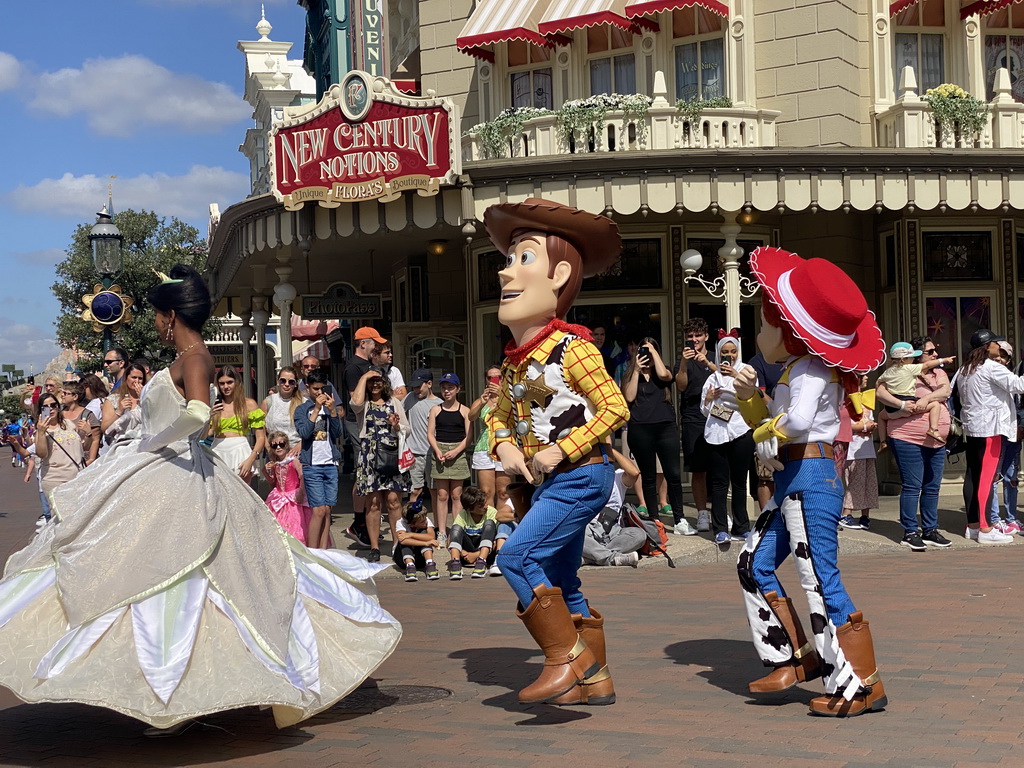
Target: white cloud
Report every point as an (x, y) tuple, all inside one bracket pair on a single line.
[(28, 347), (130, 94), (47, 258), (10, 71), (188, 196)]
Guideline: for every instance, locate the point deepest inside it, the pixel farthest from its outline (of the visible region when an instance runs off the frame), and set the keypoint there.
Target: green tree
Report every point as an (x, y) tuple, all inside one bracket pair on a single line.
[(150, 242), (12, 406)]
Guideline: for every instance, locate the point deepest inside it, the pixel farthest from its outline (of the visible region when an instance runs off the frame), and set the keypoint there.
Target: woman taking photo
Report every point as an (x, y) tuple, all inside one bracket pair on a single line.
[(125, 400), (490, 475), (380, 419), (58, 444), (647, 387), (280, 408), (989, 414), (731, 443), (72, 397), (234, 418), (248, 601)]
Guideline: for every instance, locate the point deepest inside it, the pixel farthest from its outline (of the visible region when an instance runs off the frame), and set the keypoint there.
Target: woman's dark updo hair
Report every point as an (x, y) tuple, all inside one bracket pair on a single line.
[(190, 298)]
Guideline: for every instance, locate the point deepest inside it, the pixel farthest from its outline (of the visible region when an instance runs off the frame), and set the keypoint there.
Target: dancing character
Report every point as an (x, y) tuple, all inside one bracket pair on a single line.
[(556, 405), (816, 321)]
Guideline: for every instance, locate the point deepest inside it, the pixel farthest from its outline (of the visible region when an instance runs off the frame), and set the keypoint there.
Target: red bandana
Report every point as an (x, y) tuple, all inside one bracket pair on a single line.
[(516, 355)]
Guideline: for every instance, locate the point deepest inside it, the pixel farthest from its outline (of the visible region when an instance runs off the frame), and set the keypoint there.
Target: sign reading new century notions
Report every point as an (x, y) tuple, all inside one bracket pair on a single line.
[(365, 140)]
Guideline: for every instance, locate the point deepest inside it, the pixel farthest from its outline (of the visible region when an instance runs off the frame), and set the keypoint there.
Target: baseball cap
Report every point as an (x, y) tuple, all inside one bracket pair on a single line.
[(451, 378), (984, 336), (1006, 347), (901, 350), (366, 332), (421, 376)]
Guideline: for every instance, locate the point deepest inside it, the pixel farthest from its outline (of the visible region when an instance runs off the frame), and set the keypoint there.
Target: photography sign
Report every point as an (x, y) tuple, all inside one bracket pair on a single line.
[(365, 140)]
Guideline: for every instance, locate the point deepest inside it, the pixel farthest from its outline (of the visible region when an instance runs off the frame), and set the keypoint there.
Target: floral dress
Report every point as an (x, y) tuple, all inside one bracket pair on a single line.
[(378, 430)]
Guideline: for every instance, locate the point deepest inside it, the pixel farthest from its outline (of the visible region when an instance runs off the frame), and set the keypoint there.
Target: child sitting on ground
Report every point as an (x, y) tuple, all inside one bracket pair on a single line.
[(416, 539), (606, 542), (472, 534), (287, 497), (900, 380)]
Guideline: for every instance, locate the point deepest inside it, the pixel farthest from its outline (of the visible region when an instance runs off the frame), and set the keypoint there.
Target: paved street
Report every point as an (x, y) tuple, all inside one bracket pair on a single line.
[(947, 626)]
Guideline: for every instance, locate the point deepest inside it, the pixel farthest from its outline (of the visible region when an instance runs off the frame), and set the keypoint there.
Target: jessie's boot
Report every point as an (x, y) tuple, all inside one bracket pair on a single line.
[(567, 660), (598, 688), (805, 664), (855, 640)]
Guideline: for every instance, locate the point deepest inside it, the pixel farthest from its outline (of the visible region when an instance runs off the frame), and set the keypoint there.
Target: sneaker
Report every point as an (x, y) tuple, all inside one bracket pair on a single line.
[(455, 570), (1000, 526), (914, 541), (480, 568), (936, 539), (993, 537), (865, 523), (703, 520), (374, 556), (971, 533), (431, 570), (494, 570), (847, 521), (740, 536), (358, 536), (630, 560), (722, 538), (41, 521), (410, 572), (683, 528), (1013, 527)]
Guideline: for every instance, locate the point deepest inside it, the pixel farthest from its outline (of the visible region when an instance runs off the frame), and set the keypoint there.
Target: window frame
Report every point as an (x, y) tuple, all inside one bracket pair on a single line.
[(610, 54), (918, 30), (676, 42), (531, 67)]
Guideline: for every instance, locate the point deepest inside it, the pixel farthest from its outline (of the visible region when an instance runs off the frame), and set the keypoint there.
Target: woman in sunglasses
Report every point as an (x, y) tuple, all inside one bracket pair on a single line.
[(280, 408)]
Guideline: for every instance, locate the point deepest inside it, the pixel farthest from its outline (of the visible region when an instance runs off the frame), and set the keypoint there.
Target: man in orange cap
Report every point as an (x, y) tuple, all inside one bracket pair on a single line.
[(557, 403)]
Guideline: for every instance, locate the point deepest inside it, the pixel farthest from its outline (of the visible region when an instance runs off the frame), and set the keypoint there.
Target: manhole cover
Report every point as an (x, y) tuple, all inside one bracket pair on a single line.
[(367, 700)]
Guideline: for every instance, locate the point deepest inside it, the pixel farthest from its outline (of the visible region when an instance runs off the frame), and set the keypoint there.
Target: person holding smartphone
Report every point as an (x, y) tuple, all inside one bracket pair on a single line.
[(490, 474), (692, 369), (319, 428)]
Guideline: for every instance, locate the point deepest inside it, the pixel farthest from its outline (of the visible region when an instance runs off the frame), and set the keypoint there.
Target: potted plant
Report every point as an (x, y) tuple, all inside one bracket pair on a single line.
[(955, 109)]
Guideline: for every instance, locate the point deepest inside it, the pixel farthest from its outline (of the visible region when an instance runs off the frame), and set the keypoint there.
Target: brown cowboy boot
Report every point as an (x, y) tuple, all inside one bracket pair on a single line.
[(855, 640), (596, 689), (805, 664), (567, 660)]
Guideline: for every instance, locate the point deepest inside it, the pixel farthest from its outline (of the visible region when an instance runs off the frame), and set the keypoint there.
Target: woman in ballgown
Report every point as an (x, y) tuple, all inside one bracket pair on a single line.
[(167, 590)]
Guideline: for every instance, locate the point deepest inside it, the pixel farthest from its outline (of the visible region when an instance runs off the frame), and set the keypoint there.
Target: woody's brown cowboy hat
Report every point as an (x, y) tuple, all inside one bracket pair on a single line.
[(595, 237)]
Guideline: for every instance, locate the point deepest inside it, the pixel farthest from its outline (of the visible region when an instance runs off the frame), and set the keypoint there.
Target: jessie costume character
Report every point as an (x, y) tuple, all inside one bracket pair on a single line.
[(556, 405), (816, 321)]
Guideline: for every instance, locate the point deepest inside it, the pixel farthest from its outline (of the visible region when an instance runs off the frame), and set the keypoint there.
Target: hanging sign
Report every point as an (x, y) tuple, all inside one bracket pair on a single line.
[(341, 301), (365, 140)]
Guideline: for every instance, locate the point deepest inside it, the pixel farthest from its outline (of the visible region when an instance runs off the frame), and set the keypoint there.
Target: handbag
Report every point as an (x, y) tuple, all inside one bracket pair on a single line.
[(385, 460)]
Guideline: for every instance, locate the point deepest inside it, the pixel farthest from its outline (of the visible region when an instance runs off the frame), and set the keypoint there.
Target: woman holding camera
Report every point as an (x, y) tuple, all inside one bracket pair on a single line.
[(58, 444), (730, 440), (653, 436), (233, 418)]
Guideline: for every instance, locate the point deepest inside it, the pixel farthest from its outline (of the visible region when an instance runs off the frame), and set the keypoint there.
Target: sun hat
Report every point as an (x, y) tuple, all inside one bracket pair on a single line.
[(901, 350), (824, 307)]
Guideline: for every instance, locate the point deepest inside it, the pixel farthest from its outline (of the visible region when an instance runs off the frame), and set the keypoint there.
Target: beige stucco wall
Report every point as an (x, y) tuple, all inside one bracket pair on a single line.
[(846, 239), (812, 60), (445, 69)]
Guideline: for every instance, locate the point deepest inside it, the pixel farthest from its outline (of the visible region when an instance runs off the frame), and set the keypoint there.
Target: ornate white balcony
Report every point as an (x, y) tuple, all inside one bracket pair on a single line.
[(909, 123)]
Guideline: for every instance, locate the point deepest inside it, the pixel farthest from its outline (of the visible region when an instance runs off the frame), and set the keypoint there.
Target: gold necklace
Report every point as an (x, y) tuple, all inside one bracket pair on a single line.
[(186, 349)]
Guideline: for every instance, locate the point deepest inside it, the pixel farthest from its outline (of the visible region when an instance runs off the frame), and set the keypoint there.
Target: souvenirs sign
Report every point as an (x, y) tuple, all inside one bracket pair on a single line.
[(365, 140)]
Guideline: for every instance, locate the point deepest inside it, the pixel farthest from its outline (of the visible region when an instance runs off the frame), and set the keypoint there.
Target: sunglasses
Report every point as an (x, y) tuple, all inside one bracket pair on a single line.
[(111, 362), (309, 367), (932, 351), (286, 381), (279, 445)]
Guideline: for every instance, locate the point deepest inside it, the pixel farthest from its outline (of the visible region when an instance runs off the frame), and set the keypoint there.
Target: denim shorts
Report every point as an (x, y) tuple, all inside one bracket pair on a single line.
[(321, 481)]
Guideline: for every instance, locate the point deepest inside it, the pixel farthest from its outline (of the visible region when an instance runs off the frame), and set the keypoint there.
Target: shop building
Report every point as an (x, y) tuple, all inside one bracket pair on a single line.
[(814, 134)]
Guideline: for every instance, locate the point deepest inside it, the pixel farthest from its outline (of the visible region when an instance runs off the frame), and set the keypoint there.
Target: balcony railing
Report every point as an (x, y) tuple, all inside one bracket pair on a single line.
[(909, 123), (662, 127)]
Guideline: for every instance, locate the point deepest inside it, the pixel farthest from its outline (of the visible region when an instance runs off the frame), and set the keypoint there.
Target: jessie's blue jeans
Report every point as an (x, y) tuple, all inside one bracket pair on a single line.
[(546, 548), (921, 475)]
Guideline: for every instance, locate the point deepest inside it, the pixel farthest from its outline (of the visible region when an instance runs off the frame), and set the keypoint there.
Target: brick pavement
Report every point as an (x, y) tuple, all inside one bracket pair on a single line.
[(947, 626)]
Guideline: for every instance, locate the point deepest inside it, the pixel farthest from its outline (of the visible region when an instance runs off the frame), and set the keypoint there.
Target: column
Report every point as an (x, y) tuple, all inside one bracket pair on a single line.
[(260, 318), (730, 254)]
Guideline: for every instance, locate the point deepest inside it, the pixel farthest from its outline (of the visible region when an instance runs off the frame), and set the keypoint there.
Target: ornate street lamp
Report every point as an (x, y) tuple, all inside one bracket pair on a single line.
[(106, 308)]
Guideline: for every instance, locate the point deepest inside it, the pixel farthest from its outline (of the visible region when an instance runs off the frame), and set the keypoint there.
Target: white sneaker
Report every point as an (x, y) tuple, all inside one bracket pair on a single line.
[(494, 570), (971, 533), (683, 528), (703, 520), (993, 537), (630, 559)]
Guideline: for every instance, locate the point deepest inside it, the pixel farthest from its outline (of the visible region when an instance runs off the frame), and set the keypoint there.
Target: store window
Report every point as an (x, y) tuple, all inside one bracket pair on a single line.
[(611, 60), (953, 319), (920, 43), (957, 256), (530, 75), (699, 38), (1004, 48)]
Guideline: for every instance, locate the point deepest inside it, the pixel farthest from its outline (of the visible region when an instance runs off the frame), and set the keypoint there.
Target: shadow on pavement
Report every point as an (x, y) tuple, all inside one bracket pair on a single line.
[(508, 668), (731, 665)]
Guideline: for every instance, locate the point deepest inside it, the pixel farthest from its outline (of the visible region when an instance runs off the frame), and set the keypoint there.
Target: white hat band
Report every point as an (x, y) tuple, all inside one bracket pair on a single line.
[(803, 318)]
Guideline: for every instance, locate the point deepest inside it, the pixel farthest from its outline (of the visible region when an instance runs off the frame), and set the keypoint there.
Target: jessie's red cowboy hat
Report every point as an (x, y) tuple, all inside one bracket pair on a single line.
[(823, 306), (595, 237)]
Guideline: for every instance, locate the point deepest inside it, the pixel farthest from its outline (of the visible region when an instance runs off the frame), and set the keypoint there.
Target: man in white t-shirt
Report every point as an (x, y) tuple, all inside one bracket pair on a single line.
[(382, 356)]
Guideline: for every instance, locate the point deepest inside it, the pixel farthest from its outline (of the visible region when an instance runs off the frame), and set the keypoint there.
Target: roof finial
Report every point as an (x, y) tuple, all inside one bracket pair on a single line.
[(110, 195), (263, 27)]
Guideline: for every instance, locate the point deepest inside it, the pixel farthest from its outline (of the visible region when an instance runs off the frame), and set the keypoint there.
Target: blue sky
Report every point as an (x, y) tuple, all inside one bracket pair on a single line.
[(149, 91)]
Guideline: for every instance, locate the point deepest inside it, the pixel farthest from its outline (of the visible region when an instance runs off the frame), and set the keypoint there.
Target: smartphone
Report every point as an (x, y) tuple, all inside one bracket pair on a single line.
[(494, 379), (44, 415), (691, 344), (328, 390), (644, 351)]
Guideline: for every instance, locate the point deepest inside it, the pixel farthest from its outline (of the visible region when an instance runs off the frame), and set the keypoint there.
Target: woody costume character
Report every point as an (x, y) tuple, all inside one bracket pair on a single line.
[(816, 321), (556, 405)]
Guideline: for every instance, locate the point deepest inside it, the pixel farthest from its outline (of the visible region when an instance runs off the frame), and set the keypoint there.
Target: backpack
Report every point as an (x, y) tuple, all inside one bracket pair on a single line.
[(956, 441), (657, 538)]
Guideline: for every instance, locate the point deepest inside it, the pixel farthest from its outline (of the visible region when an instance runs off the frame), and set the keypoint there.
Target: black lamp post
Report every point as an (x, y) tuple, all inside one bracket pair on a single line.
[(106, 240)]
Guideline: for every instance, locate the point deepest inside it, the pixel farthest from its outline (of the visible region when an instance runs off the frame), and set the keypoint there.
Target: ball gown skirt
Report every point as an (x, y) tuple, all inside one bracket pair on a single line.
[(167, 590)]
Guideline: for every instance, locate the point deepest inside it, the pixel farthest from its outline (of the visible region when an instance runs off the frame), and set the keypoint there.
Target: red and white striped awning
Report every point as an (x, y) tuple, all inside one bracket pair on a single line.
[(984, 7), (636, 8), (311, 330), (496, 21), (567, 15), (317, 349)]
